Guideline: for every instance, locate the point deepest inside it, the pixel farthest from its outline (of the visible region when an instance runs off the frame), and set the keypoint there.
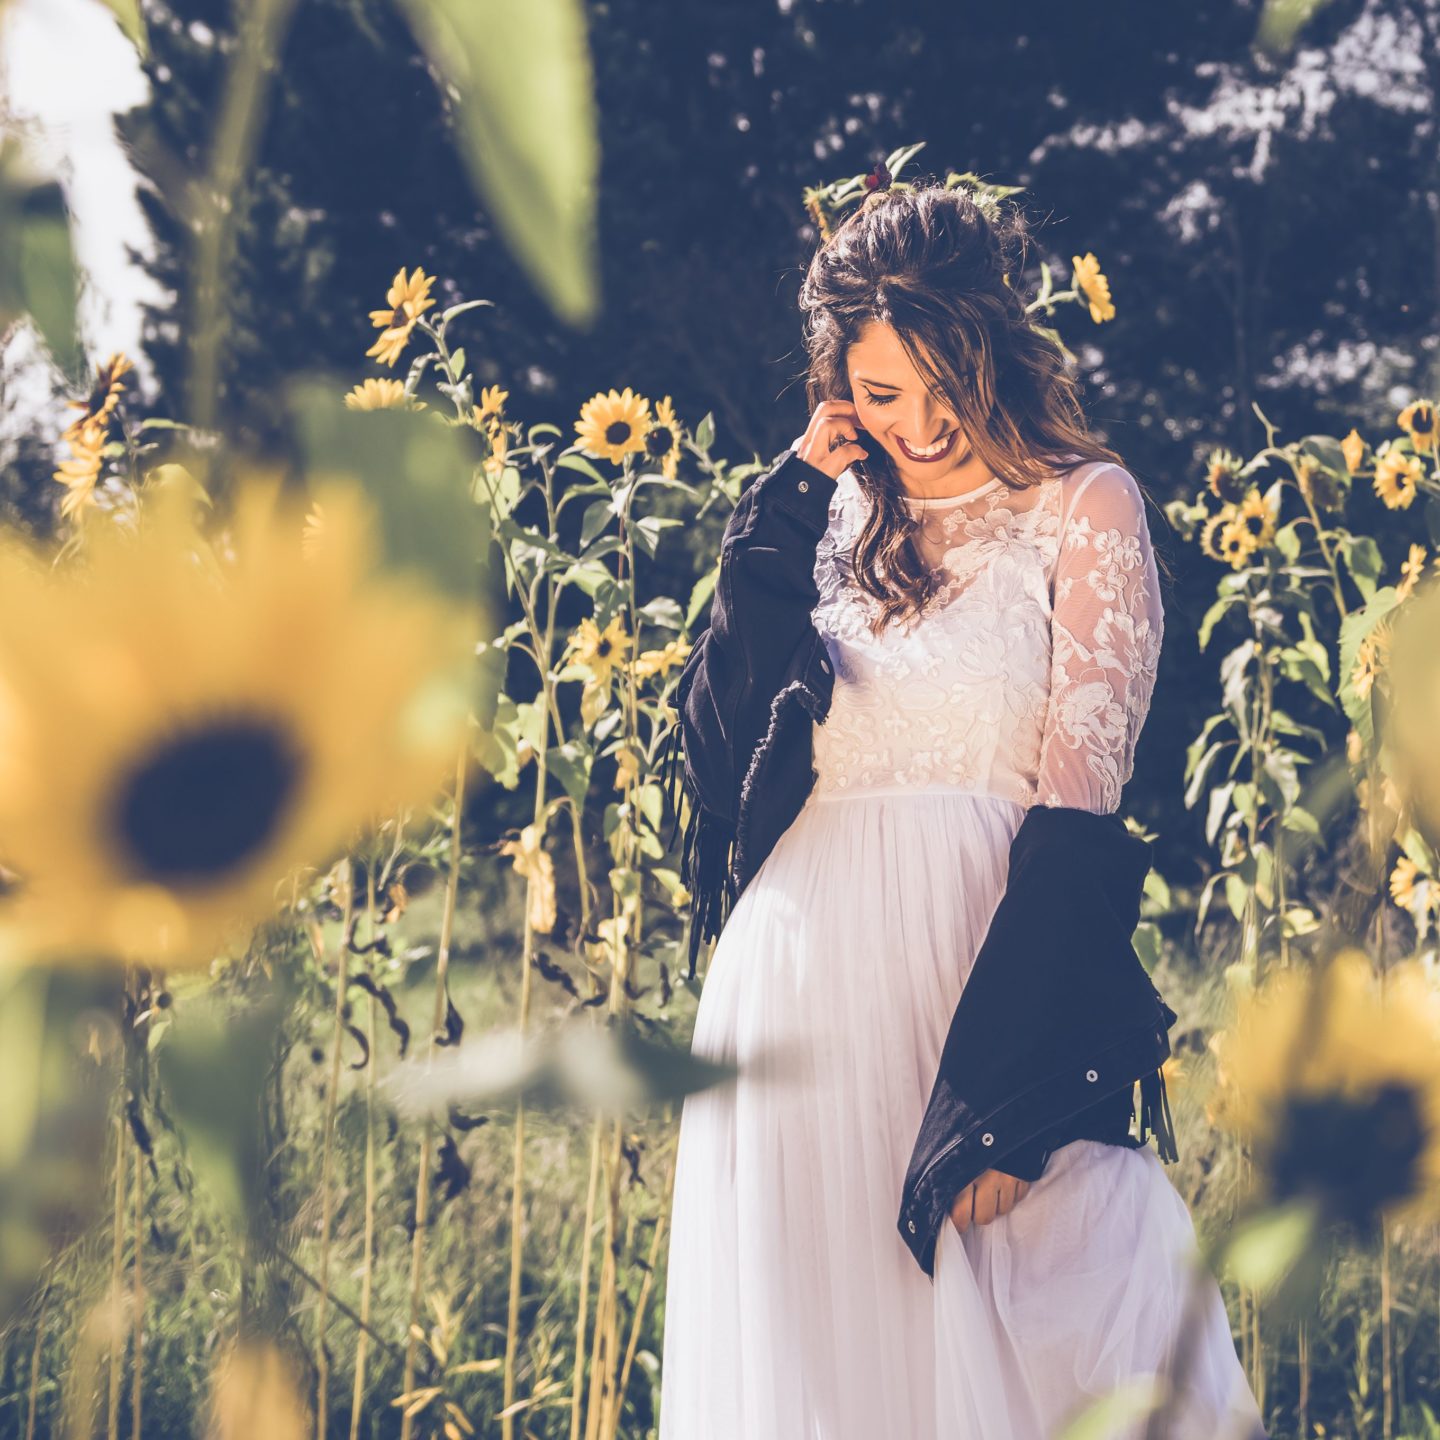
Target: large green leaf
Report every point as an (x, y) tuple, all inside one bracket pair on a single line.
[(527, 123), (131, 21), (37, 264)]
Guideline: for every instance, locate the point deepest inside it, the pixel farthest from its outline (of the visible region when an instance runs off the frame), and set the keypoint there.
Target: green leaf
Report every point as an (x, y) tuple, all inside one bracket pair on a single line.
[(572, 461), (662, 611), (571, 764), (528, 130), (705, 432), (131, 21), (1117, 1411), (37, 264), (700, 596), (1263, 1250)]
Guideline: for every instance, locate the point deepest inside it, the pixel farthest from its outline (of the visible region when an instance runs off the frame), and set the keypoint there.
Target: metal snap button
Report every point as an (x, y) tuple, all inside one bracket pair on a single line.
[(804, 486), (987, 1138), (825, 666), (1091, 1075), (911, 1226)]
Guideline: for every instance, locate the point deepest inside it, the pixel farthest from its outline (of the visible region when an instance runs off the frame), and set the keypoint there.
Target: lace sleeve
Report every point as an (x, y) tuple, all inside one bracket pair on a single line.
[(1106, 631)]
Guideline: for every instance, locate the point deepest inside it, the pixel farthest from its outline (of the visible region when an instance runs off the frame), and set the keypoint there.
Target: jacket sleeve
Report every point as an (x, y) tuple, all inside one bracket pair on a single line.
[(759, 615)]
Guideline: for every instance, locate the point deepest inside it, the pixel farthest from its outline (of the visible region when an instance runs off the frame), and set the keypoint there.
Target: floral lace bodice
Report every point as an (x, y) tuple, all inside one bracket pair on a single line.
[(1029, 673)]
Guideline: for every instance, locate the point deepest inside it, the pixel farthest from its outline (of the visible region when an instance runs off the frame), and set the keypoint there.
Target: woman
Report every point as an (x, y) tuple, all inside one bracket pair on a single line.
[(936, 612)]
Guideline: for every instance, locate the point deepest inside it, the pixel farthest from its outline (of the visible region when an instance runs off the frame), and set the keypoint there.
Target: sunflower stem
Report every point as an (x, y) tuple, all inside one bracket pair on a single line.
[(587, 1246), (362, 1338), (422, 1182), (327, 1147)]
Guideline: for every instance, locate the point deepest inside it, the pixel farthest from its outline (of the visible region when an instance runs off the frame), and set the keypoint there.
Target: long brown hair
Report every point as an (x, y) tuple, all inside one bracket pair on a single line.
[(932, 263)]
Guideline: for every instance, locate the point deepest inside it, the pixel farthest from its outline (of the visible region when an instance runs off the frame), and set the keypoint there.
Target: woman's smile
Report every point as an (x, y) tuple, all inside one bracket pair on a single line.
[(931, 453)]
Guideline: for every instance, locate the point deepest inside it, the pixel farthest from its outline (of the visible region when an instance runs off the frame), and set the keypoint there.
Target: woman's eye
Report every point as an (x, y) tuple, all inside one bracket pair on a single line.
[(879, 399)]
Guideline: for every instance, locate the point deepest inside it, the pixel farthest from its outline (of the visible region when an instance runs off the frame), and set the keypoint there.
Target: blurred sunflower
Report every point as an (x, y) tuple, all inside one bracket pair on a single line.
[(613, 425), (1222, 476), (97, 407), (1094, 286), (1318, 484), (1411, 571), (1334, 1078), (1210, 533), (1409, 889), (1370, 657), (177, 734), (1256, 518), (1236, 543), (1418, 421), (533, 862), (492, 404), (659, 662), (80, 473), (663, 440), (1353, 449), (408, 298), (1396, 479), (376, 394)]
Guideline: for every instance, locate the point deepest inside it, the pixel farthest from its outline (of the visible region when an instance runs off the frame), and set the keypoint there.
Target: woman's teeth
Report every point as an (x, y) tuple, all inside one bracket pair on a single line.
[(931, 452)]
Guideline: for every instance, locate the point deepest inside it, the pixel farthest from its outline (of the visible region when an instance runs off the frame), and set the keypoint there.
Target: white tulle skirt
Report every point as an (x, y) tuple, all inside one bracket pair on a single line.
[(793, 1309)]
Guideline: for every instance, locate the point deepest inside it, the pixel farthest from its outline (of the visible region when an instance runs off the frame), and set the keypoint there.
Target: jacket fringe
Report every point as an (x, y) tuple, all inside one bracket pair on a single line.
[(1155, 1115), (706, 852)]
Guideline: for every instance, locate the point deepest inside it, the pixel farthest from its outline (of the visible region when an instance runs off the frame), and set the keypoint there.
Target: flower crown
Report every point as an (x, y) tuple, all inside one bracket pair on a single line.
[(824, 203)]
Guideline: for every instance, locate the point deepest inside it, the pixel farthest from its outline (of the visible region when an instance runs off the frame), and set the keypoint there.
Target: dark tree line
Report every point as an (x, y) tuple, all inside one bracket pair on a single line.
[(1270, 226)]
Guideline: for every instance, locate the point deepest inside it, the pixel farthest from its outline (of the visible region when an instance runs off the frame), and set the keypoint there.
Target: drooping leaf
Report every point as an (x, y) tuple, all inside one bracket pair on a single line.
[(527, 126)]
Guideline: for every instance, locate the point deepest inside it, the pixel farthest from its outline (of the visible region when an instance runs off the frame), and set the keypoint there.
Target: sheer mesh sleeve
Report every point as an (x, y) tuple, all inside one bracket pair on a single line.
[(1106, 631)]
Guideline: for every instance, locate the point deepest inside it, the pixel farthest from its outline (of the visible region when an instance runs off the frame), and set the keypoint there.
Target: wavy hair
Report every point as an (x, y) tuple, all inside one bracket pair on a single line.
[(942, 270)]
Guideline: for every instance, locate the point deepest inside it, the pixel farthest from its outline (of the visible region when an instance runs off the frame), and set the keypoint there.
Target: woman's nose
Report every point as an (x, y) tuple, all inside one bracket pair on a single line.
[(927, 423)]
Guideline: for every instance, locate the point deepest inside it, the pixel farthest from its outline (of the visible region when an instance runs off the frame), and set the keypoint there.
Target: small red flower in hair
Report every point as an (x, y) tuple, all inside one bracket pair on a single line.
[(879, 178)]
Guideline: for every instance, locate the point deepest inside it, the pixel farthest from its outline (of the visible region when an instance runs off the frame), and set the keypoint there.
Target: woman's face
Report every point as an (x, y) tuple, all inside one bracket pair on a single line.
[(918, 430)]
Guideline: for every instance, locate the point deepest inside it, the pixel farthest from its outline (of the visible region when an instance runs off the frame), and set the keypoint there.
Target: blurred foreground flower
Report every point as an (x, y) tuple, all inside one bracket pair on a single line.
[(255, 1395), (1334, 1077), (177, 733)]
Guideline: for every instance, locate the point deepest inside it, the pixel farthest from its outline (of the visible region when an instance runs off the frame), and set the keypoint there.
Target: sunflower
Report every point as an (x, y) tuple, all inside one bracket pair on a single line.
[(408, 298), (376, 394), (1256, 518), (613, 425), (598, 652), (1418, 421), (176, 737), (533, 862), (1095, 287), (1411, 571), (1353, 449), (1408, 888), (492, 404), (1236, 543), (1335, 1079), (1210, 533), (1370, 657), (663, 441), (1396, 478), (499, 456), (80, 474), (97, 408), (1222, 476), (659, 662)]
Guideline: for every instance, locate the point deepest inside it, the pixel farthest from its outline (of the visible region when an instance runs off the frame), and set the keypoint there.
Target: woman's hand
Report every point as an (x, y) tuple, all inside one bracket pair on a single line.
[(830, 440), (986, 1196)]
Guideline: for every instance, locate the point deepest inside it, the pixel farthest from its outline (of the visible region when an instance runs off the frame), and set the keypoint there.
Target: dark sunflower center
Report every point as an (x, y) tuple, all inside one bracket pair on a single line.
[(98, 396), (206, 801), (659, 441), (602, 650), (1357, 1153), (617, 432), (399, 318)]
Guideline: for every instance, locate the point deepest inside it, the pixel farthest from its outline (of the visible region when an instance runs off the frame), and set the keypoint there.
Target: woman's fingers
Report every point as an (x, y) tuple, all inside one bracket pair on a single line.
[(831, 440), (988, 1196)]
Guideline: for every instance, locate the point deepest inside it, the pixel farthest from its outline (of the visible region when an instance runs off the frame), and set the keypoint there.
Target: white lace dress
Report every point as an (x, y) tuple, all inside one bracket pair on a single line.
[(794, 1310)]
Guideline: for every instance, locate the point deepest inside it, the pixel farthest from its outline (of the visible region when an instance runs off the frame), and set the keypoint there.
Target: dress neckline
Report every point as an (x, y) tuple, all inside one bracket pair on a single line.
[(930, 502)]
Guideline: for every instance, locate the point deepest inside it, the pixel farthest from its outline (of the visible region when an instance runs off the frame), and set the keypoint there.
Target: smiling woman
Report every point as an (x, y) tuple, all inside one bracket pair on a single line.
[(911, 316)]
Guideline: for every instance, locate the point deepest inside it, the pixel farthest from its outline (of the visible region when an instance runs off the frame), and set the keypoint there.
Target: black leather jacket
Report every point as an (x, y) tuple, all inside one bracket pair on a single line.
[(1006, 1094)]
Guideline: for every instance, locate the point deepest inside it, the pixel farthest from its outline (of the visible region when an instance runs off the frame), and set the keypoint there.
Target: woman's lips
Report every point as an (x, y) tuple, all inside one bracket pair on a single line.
[(941, 454)]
